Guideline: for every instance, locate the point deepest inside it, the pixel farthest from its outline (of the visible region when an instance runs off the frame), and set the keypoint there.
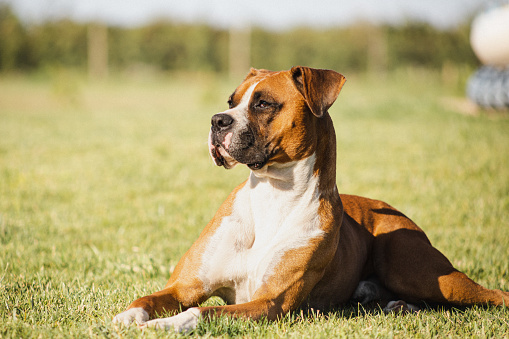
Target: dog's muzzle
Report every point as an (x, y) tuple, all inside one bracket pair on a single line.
[(231, 143)]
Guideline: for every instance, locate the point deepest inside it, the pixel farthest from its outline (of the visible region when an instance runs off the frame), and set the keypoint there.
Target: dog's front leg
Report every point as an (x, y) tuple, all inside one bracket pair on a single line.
[(178, 295), (282, 293), (188, 320), (142, 309)]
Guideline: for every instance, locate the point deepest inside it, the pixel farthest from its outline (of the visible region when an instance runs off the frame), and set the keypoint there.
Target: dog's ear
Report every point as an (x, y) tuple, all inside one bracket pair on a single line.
[(319, 87), (254, 72)]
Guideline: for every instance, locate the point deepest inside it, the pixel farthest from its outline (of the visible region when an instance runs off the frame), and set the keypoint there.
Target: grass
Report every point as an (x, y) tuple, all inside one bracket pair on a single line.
[(104, 185)]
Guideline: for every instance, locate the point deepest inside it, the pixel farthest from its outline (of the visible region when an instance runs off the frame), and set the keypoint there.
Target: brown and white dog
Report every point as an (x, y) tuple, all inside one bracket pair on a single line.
[(286, 238)]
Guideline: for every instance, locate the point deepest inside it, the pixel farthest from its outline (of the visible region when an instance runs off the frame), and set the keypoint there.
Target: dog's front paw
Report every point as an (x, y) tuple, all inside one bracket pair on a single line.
[(136, 314), (182, 322)]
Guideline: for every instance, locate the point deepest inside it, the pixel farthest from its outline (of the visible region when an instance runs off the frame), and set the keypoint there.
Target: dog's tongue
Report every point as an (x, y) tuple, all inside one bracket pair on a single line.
[(219, 157), (215, 153)]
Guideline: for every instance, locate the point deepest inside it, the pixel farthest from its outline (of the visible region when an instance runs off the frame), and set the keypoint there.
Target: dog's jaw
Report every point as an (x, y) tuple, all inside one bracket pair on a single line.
[(219, 154)]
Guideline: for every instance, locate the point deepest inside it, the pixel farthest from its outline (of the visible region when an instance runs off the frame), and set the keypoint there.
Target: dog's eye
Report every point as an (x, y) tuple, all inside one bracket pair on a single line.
[(230, 103), (262, 104)]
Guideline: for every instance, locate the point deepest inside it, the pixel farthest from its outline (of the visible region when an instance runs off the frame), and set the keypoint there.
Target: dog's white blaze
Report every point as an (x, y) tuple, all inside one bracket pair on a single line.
[(240, 112), (275, 212)]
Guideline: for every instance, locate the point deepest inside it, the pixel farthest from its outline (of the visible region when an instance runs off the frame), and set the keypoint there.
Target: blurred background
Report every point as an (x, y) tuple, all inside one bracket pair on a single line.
[(105, 109), (227, 37)]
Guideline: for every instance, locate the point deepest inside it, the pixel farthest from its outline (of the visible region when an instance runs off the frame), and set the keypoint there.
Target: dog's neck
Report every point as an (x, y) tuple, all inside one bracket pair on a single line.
[(280, 194), (295, 175)]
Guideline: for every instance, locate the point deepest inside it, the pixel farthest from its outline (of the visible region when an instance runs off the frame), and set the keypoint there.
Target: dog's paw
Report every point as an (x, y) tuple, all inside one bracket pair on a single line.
[(136, 314), (182, 322), (400, 306)]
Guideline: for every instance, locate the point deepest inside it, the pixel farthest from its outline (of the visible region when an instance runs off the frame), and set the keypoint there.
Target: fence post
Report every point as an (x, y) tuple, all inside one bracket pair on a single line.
[(97, 50), (239, 51)]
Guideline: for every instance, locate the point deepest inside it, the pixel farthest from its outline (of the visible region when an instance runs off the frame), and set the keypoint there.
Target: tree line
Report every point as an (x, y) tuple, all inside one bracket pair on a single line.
[(170, 46)]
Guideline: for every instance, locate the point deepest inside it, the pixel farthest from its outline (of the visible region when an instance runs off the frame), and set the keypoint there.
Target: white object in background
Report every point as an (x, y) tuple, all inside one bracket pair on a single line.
[(490, 36)]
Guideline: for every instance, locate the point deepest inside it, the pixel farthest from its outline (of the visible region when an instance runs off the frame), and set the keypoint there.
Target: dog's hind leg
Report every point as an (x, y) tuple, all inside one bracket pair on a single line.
[(408, 265)]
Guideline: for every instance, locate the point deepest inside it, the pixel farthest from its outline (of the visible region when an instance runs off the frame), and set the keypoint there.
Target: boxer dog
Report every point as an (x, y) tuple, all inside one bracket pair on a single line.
[(285, 238)]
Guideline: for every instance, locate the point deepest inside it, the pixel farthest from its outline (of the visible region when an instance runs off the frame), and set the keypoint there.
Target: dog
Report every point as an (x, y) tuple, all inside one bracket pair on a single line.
[(286, 238)]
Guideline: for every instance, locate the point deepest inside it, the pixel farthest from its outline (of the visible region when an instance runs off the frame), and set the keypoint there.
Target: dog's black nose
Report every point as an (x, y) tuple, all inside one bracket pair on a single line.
[(221, 121)]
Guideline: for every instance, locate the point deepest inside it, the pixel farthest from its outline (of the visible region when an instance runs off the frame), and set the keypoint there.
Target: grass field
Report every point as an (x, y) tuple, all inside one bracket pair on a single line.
[(103, 186)]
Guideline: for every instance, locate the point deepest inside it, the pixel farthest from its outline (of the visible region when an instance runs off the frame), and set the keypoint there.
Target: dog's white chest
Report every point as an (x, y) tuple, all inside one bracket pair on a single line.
[(267, 220)]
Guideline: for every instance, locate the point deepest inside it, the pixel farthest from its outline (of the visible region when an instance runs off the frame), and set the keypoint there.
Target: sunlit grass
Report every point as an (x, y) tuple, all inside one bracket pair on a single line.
[(103, 186)]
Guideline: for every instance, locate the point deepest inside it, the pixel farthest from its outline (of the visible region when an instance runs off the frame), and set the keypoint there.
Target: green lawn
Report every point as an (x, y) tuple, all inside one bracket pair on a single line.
[(103, 186)]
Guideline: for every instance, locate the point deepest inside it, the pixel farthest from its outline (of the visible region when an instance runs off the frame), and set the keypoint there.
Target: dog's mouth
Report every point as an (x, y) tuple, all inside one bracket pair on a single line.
[(256, 165), (220, 156), (217, 157), (223, 157)]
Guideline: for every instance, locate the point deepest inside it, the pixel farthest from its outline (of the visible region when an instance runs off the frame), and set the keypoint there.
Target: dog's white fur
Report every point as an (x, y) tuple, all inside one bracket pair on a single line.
[(273, 213)]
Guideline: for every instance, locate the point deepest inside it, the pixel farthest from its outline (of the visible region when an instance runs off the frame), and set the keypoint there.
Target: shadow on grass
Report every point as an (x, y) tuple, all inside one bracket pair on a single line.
[(295, 321)]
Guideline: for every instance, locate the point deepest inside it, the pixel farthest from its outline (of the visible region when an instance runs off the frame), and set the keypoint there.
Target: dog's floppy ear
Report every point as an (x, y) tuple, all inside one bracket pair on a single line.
[(319, 87)]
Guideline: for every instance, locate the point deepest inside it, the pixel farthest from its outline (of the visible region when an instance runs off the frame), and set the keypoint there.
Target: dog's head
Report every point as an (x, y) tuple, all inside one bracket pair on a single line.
[(272, 117)]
